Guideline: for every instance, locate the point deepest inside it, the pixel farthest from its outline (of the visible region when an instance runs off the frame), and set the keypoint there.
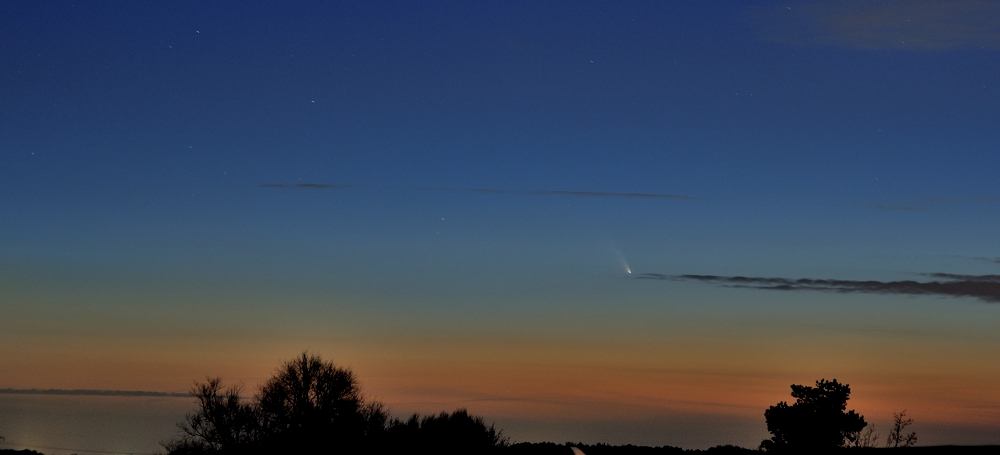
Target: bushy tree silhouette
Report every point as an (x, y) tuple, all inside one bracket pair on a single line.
[(816, 421), (314, 405)]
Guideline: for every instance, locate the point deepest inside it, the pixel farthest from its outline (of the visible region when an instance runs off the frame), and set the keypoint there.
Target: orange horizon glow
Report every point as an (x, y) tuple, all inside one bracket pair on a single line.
[(552, 379)]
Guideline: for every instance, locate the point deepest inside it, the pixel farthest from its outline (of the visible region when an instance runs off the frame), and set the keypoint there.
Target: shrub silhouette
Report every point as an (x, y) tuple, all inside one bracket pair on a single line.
[(445, 433), (867, 439), (816, 421)]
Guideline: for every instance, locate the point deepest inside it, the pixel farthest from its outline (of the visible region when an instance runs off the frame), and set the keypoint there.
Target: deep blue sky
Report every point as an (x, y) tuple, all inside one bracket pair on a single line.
[(150, 152)]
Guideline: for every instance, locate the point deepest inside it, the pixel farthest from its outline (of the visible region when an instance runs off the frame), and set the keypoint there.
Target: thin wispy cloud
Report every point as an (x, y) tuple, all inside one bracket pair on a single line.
[(954, 276), (94, 393), (587, 194), (896, 208), (928, 203), (983, 287), (583, 194), (307, 186), (890, 24)]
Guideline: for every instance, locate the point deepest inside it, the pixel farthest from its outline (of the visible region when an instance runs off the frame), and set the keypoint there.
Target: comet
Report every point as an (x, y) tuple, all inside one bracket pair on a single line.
[(621, 258)]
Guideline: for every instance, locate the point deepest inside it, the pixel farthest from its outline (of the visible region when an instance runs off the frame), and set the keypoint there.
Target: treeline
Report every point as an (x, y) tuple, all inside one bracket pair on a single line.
[(311, 407), (548, 448), (314, 407), (19, 452)]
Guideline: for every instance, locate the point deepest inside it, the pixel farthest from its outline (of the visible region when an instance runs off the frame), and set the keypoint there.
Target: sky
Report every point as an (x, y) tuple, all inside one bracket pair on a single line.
[(624, 222)]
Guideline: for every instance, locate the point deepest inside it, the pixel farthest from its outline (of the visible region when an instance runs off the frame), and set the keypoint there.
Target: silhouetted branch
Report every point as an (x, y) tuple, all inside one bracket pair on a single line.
[(896, 437), (865, 439)]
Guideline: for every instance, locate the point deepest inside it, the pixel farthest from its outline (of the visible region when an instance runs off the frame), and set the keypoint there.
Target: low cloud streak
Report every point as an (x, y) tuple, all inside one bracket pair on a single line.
[(983, 287), (94, 393)]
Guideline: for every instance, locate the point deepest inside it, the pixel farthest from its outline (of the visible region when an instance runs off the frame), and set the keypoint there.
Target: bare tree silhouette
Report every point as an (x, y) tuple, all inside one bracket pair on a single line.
[(896, 437), (223, 421), (866, 439)]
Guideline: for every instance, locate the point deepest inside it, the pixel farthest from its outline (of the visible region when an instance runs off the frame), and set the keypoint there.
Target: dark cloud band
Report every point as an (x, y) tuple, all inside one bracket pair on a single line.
[(94, 393), (982, 287)]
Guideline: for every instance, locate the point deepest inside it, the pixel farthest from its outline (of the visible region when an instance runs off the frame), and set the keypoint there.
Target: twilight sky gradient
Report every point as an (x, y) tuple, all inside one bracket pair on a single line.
[(445, 197)]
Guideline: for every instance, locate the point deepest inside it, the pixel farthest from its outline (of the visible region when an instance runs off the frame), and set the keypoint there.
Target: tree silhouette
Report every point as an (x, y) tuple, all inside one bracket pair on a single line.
[(223, 423), (308, 406), (866, 439), (816, 421), (311, 405), (896, 437)]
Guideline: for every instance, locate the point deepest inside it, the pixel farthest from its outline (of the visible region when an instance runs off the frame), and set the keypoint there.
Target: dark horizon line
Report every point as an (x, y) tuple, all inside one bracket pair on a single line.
[(94, 392)]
